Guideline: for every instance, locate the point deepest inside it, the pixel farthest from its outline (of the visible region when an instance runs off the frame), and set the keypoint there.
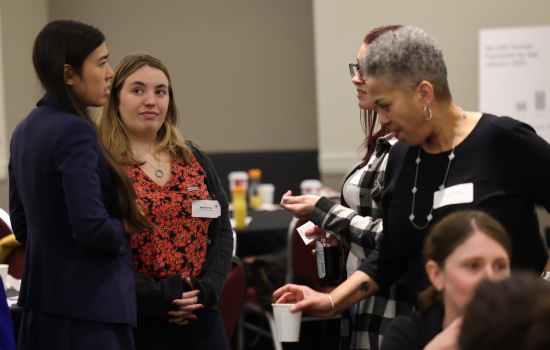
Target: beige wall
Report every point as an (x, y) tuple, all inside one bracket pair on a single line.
[(242, 70), (20, 22), (339, 31)]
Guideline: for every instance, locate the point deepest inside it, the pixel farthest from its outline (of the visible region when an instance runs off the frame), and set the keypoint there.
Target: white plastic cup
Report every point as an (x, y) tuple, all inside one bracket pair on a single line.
[(311, 187), (267, 193), (287, 323), (4, 274), (238, 178)]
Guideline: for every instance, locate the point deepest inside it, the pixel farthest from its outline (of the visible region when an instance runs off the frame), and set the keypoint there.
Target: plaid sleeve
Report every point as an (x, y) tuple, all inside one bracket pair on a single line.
[(357, 233), (358, 230)]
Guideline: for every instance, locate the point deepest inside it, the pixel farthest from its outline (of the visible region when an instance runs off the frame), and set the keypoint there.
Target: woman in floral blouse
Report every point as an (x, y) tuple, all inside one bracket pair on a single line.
[(180, 267)]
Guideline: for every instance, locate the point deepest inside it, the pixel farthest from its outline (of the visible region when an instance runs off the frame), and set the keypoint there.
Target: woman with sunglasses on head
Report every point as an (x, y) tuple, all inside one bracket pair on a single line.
[(447, 160), (70, 203), (357, 222), (182, 265)]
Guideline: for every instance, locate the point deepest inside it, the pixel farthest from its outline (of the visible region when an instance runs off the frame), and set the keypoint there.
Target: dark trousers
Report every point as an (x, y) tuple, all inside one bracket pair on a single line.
[(51, 332), (205, 333)]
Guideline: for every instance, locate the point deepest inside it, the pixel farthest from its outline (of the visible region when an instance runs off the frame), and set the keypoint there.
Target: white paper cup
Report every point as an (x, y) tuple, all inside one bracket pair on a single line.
[(238, 178), (266, 191), (287, 323), (311, 187), (4, 274)]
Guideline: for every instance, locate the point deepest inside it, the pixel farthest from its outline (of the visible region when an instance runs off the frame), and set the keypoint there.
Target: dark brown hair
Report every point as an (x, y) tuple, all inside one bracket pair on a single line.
[(449, 233), (369, 118), (70, 42), (508, 315)]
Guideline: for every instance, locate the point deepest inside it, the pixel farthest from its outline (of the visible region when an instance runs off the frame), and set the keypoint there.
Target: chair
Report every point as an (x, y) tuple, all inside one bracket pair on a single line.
[(302, 264), (232, 297), (302, 269), (11, 251), (252, 306)]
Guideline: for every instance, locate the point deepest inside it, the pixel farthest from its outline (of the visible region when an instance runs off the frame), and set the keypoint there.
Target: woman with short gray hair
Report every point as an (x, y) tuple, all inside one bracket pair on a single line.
[(447, 160)]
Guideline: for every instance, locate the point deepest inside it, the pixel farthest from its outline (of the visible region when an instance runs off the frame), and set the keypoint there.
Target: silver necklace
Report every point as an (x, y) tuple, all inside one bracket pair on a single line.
[(415, 189), (158, 172)]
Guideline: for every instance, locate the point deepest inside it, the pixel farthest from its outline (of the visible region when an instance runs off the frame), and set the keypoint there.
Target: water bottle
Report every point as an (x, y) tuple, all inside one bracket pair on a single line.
[(254, 198)]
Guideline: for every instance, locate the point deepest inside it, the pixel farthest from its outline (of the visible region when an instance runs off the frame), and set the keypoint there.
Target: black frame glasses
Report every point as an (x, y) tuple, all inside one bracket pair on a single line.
[(355, 68)]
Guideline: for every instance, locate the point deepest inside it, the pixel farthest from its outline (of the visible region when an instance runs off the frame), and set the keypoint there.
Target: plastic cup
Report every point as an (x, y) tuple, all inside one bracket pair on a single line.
[(287, 323), (266, 192), (4, 274), (311, 187)]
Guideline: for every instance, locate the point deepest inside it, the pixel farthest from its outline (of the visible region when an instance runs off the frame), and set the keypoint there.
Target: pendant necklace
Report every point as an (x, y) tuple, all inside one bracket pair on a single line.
[(158, 172), (442, 187)]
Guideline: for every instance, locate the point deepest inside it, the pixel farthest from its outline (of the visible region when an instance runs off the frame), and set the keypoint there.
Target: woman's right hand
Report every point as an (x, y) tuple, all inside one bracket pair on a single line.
[(300, 206), (186, 305), (306, 299)]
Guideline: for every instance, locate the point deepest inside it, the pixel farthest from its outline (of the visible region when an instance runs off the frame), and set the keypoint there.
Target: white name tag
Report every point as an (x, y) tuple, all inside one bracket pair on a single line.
[(302, 231), (206, 209), (463, 193)]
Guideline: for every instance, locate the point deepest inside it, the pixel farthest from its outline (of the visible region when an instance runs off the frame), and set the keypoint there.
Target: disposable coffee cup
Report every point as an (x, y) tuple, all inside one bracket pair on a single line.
[(311, 187), (237, 179), (266, 192), (287, 323), (4, 274)]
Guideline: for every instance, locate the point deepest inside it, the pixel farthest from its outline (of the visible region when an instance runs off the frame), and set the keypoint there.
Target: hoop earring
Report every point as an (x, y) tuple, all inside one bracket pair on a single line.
[(424, 113)]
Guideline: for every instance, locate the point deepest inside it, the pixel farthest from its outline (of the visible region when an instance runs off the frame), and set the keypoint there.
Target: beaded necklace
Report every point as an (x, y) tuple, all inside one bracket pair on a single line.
[(415, 189)]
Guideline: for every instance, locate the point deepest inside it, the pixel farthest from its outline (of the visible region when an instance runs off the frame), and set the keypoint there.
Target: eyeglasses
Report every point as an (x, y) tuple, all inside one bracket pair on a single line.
[(355, 68)]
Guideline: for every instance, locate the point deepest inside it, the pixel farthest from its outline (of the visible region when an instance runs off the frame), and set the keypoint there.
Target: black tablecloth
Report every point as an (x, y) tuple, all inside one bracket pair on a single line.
[(267, 233)]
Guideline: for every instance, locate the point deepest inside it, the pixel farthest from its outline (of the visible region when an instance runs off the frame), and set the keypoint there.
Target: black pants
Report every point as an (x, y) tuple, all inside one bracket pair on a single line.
[(51, 332), (205, 333)]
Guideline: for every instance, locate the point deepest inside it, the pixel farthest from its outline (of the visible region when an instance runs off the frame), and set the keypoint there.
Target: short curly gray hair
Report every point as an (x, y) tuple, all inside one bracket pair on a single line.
[(406, 57)]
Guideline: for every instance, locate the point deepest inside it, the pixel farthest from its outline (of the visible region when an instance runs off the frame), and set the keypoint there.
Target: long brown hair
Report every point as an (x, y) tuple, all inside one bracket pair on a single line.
[(70, 42), (112, 131), (449, 233), (369, 118)]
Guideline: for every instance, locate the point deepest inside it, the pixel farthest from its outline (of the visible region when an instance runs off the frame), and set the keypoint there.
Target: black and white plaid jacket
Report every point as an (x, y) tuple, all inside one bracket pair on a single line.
[(358, 231)]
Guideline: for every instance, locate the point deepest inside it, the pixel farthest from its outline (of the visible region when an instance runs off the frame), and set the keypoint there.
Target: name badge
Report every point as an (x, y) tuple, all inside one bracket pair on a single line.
[(457, 194), (206, 209)]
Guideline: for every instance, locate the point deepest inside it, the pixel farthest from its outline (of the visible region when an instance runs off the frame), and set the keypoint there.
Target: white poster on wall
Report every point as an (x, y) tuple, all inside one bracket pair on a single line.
[(514, 74)]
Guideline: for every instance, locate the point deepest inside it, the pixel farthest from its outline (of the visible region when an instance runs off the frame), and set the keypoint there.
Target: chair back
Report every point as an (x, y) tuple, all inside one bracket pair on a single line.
[(232, 297), (4, 229), (301, 264), (11, 251)]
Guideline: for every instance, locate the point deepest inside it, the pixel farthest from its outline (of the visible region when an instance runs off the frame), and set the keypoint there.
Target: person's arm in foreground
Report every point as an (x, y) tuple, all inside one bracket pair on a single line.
[(357, 233), (357, 287)]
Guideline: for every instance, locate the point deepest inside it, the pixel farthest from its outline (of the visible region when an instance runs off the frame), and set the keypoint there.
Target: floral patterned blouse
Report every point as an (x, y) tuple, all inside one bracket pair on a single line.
[(179, 242)]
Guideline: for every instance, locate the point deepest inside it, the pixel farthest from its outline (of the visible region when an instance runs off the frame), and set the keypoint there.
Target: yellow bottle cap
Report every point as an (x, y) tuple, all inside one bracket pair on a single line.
[(255, 173)]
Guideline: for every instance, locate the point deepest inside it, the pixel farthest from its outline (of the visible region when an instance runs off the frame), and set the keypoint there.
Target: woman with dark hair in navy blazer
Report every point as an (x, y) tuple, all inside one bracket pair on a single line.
[(71, 205)]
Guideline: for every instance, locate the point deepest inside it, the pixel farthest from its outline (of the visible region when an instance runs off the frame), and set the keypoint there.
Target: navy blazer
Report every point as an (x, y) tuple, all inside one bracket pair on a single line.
[(78, 259)]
